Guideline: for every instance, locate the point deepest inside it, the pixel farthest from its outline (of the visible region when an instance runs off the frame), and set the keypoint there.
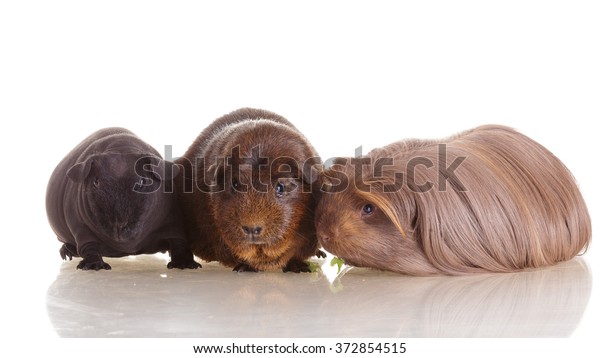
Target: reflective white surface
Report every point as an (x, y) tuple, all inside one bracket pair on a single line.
[(140, 297)]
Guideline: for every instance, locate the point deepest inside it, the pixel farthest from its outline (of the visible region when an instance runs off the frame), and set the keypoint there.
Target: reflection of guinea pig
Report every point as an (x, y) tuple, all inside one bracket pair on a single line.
[(544, 302), (547, 302), (107, 198), (486, 200), (246, 194)]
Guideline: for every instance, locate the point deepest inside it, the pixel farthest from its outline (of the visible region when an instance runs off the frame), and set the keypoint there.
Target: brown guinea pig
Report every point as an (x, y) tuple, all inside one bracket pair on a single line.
[(247, 193), (486, 200)]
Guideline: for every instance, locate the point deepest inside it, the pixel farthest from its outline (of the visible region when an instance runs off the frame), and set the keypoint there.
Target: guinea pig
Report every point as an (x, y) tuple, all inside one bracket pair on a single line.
[(486, 200), (108, 197), (246, 193)]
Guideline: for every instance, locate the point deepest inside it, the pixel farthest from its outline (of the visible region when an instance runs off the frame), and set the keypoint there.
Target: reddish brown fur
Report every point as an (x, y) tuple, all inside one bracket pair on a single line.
[(521, 208), (215, 219)]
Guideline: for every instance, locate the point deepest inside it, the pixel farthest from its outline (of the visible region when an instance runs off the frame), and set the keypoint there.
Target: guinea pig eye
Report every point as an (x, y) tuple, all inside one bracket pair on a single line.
[(97, 183), (279, 189), (234, 184), (144, 181), (367, 209)]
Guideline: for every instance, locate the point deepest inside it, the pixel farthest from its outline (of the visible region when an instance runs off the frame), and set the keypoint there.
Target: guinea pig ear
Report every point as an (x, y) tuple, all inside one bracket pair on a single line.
[(80, 171), (325, 182), (215, 172), (312, 170)]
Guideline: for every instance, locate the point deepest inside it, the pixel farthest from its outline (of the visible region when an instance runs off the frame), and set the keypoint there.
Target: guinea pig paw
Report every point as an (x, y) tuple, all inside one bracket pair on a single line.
[(93, 265), (68, 251), (297, 267), (321, 254), (244, 268), (183, 265)]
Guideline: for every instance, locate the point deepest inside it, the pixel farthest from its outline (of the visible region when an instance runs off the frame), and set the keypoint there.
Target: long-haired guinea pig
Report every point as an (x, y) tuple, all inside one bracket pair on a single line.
[(108, 197), (247, 193), (486, 200)]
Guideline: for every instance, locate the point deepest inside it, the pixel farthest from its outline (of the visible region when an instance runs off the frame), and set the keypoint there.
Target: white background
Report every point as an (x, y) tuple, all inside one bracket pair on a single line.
[(347, 73)]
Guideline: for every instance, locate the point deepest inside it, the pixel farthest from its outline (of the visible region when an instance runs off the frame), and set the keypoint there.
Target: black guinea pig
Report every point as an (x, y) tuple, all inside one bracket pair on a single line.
[(247, 193), (109, 197)]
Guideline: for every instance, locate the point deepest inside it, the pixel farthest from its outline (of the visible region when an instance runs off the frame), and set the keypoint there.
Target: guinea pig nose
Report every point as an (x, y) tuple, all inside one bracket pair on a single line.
[(252, 230)]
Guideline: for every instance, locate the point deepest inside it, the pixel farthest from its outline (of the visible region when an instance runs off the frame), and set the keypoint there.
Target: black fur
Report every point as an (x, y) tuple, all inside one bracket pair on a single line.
[(107, 197)]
